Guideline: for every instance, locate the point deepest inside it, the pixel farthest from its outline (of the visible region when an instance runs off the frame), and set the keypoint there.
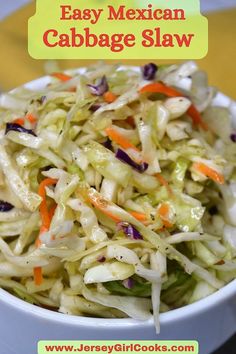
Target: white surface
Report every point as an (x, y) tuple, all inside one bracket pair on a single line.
[(8, 6)]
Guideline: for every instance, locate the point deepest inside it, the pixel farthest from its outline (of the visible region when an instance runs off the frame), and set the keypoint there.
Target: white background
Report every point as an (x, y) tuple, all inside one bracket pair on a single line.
[(8, 6)]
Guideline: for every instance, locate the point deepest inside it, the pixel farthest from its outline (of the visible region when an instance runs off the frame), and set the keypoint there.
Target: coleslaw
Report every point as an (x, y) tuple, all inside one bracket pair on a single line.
[(117, 191)]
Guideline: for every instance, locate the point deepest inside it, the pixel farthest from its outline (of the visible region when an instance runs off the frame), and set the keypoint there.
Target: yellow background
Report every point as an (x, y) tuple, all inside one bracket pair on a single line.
[(17, 67)]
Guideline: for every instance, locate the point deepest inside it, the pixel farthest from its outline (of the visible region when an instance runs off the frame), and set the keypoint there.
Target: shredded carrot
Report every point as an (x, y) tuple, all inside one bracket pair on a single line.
[(38, 242), (109, 97), (164, 182), (46, 217), (61, 76), (19, 121), (72, 89), (221, 262), (114, 135), (159, 87), (108, 213), (196, 117), (31, 118), (43, 206), (99, 205), (139, 216), (167, 223), (38, 275), (209, 172), (43, 229), (111, 216), (164, 211), (161, 229)]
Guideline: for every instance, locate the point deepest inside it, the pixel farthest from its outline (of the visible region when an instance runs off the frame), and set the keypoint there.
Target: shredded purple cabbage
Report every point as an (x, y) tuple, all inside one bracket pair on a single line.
[(47, 168), (100, 88), (108, 144), (233, 137), (5, 206), (94, 107), (149, 71), (43, 99), (129, 230), (18, 128), (128, 283), (101, 259), (122, 156)]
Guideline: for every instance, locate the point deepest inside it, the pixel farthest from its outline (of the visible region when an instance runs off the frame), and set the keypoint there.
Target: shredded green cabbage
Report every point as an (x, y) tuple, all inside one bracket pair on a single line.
[(133, 232)]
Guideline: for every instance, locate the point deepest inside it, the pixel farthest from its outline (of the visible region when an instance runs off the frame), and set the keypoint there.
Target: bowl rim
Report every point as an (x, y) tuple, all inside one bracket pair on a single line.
[(220, 296)]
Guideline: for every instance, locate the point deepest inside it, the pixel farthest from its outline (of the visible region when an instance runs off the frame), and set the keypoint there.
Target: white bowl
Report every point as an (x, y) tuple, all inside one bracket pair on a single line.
[(210, 321)]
